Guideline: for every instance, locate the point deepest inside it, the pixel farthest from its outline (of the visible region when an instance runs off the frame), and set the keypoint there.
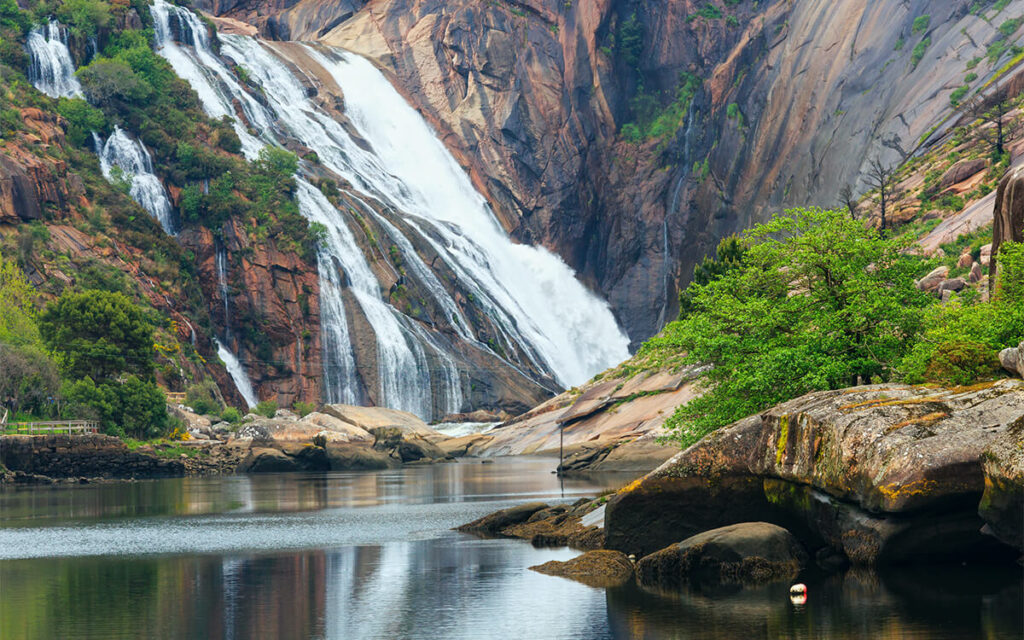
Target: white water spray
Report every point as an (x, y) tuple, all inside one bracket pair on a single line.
[(136, 166), (51, 70)]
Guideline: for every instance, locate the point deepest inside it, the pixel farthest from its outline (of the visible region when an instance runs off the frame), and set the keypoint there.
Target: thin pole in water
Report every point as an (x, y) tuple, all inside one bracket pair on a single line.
[(561, 441)]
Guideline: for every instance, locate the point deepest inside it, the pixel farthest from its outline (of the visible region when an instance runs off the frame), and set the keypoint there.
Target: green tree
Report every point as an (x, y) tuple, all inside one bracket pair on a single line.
[(728, 256), (17, 313), (84, 17), (106, 81), (82, 118), (135, 408), (818, 302), (28, 379), (99, 334)]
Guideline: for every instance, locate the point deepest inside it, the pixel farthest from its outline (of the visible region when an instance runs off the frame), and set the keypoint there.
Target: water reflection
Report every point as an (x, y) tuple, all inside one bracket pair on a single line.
[(351, 556)]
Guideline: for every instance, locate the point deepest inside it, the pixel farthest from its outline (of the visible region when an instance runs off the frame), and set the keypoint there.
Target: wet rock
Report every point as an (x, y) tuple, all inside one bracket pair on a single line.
[(746, 552), (405, 446), (267, 460), (494, 523), (884, 473), (1002, 505), (348, 457), (600, 568), (464, 445)]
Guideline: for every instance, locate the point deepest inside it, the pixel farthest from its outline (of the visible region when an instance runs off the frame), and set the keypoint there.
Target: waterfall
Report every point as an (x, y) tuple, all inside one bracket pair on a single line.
[(136, 165), (51, 70), (398, 168), (221, 262), (237, 373)]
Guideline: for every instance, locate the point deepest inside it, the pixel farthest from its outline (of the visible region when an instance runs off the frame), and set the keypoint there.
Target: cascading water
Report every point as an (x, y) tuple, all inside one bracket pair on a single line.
[(51, 70), (237, 374), (221, 261), (399, 167), (136, 166)]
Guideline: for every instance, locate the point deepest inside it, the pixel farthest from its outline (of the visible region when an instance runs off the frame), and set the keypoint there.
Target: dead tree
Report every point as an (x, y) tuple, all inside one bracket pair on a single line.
[(991, 110), (848, 200), (882, 178)]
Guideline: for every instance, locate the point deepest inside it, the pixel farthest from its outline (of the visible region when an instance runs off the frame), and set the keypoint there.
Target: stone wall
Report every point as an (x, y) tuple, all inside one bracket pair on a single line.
[(93, 455)]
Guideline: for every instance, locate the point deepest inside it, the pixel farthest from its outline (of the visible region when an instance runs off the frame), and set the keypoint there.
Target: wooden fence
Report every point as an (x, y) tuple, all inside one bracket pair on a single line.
[(175, 397), (70, 427)]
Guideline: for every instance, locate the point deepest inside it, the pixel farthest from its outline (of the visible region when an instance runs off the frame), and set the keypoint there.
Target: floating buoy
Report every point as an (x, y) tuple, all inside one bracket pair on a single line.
[(798, 593)]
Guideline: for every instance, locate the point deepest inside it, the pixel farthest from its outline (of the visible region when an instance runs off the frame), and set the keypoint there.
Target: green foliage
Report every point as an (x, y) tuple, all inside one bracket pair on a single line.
[(973, 62), (84, 17), (918, 54), (82, 118), (958, 95), (12, 17), (135, 407), (17, 313), (708, 12), (964, 336), (921, 24), (970, 77), (900, 44), (202, 397), (231, 414), (629, 41), (303, 409), (1009, 27), (728, 256), (817, 303), (266, 408), (651, 120), (98, 334), (29, 379), (106, 81)]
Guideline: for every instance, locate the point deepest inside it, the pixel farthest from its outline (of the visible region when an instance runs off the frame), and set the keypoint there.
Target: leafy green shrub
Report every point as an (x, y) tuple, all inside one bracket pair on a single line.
[(84, 17), (303, 408), (230, 414), (266, 408), (98, 334), (918, 53), (962, 362), (82, 118), (920, 24), (202, 397), (958, 95), (802, 312), (135, 408)]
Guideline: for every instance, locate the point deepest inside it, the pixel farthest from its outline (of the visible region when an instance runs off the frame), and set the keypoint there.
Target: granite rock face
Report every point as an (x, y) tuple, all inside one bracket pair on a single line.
[(880, 473), (794, 100)]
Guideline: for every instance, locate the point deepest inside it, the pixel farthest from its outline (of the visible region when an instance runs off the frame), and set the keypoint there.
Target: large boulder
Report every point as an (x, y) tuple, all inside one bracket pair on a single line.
[(369, 418), (1012, 359), (267, 460), (1008, 216), (745, 552), (934, 278), (880, 473), (405, 445), (599, 568), (350, 457)]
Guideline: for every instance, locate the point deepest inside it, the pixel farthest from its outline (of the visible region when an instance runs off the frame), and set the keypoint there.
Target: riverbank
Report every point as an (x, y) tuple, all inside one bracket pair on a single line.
[(880, 475)]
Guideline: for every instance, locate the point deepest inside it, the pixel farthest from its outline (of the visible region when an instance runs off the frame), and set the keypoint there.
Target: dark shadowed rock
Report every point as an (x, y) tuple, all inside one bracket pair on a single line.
[(493, 523), (347, 457), (1012, 359), (1008, 217), (1002, 506), (745, 552), (881, 473), (599, 568)]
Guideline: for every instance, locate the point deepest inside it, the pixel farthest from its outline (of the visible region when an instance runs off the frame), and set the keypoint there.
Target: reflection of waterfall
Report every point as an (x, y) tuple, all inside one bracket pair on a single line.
[(136, 167), (237, 373), (52, 71), (540, 316)]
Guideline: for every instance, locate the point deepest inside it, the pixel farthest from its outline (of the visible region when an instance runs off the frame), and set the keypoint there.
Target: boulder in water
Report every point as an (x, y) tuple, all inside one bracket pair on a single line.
[(600, 568), (746, 552)]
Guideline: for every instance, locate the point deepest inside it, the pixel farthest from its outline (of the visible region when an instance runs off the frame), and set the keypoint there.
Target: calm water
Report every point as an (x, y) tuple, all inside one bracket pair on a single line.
[(371, 555)]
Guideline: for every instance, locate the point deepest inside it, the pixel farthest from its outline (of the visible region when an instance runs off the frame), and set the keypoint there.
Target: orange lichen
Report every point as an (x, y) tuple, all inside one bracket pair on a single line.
[(888, 402), (935, 416)]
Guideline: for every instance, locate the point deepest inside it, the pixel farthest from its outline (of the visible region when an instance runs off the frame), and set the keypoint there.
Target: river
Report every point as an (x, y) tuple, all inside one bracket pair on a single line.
[(372, 555)]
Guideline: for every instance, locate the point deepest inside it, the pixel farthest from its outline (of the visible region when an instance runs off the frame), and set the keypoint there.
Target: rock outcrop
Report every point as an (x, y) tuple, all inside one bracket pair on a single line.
[(533, 95), (1008, 218), (609, 424), (881, 473), (1002, 505), (82, 456), (599, 568), (749, 552)]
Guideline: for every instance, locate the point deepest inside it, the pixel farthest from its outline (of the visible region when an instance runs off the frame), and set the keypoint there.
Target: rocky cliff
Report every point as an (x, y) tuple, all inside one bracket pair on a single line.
[(737, 109)]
